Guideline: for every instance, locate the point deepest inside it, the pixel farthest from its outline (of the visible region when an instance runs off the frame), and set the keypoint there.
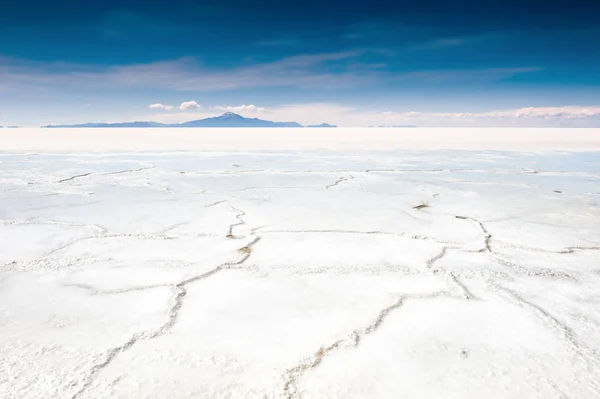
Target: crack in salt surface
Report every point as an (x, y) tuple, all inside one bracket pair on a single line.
[(540, 313), (74, 177), (300, 171), (339, 181), (292, 375), (582, 248), (542, 272), (111, 354), (180, 290), (547, 318), (47, 263), (128, 171), (94, 291), (565, 250), (240, 222), (487, 248), (373, 232), (487, 235), (96, 227), (466, 294), (215, 203), (139, 236), (109, 357), (276, 188), (170, 228)]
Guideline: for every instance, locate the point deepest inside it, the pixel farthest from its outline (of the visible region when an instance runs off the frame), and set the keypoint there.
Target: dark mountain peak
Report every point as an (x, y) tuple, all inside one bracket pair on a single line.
[(231, 119)]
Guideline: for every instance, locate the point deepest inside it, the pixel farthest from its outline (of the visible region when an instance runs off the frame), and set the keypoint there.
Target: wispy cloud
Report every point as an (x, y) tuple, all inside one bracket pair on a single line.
[(188, 74), (186, 105), (161, 106), (567, 112), (280, 42), (440, 43), (244, 109), (475, 39), (572, 115), (326, 70), (383, 29), (466, 75), (194, 106)]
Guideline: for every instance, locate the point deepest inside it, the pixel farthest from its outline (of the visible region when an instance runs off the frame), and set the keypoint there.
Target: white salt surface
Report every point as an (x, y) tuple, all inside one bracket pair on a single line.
[(286, 274), (102, 139)]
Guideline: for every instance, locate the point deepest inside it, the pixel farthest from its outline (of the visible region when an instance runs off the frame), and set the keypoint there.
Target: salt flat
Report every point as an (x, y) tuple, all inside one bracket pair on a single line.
[(130, 272), (227, 139)]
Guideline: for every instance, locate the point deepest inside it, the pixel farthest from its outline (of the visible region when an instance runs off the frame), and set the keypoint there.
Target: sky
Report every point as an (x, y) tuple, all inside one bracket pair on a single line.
[(352, 63)]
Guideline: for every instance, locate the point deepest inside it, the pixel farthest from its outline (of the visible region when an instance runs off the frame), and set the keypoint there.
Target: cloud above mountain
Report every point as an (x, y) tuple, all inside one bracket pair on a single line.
[(161, 106), (186, 105), (246, 109)]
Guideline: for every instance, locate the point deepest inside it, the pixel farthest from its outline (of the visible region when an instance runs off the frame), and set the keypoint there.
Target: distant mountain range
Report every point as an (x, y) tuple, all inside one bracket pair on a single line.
[(228, 119)]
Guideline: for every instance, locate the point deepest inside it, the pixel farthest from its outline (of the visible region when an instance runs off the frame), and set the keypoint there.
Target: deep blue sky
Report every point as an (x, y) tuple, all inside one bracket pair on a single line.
[(68, 61)]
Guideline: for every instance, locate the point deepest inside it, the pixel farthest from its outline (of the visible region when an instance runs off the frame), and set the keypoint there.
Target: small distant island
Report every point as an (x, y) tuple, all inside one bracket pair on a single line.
[(322, 125), (228, 119)]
